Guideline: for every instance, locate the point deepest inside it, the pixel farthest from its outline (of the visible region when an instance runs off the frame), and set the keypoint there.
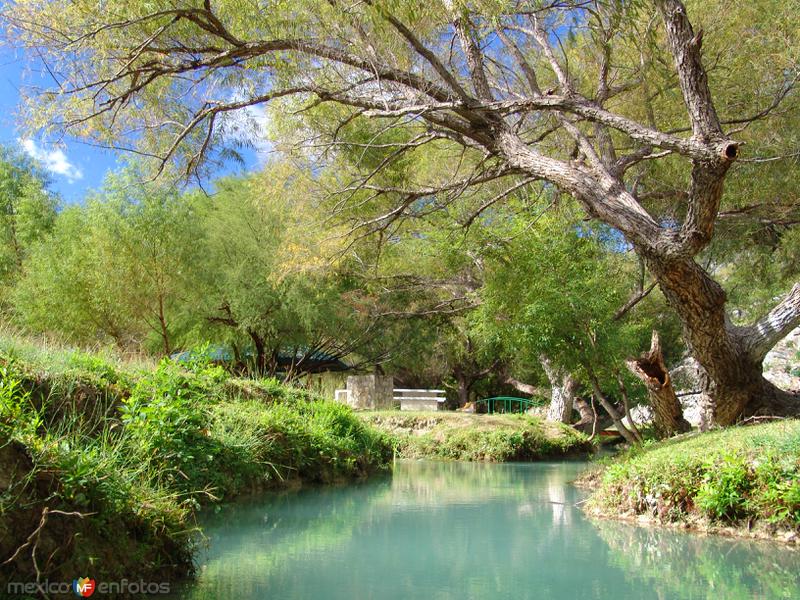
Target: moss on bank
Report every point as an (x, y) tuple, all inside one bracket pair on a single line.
[(474, 437), (103, 463), (742, 481)]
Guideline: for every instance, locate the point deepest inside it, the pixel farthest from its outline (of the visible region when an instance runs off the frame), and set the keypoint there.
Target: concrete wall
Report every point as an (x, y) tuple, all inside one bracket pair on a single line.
[(370, 391)]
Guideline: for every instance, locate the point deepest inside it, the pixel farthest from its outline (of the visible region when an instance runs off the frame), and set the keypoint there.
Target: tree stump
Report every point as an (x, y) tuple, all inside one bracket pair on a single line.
[(650, 369)]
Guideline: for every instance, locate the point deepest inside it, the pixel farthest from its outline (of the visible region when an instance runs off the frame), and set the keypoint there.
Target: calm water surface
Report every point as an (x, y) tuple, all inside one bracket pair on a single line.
[(468, 531)]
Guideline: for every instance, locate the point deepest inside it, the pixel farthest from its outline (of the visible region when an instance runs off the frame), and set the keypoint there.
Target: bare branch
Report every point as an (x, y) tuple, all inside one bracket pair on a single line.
[(685, 47), (474, 58), (633, 301), (773, 326)]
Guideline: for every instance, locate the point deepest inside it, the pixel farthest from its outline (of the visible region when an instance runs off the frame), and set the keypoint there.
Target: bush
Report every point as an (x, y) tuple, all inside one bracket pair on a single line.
[(167, 440), (316, 440), (728, 477), (493, 438), (725, 488), (166, 421)]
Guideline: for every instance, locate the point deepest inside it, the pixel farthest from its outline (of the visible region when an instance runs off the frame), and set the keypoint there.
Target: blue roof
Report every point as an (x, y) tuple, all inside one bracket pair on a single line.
[(223, 354)]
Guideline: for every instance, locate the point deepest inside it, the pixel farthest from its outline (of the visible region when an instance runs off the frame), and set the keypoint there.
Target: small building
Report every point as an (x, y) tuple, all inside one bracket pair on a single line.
[(243, 361)]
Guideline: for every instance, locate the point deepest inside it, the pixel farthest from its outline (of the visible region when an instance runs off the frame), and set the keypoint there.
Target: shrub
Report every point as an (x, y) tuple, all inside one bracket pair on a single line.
[(176, 438), (723, 493), (736, 475), (484, 438)]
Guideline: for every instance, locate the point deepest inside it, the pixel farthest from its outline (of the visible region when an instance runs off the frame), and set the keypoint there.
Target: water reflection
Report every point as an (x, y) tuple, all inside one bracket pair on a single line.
[(672, 562), (459, 530)]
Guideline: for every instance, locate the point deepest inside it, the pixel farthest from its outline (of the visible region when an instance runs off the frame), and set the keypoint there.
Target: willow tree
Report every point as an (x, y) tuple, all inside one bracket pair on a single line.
[(489, 79), (120, 267), (27, 212)]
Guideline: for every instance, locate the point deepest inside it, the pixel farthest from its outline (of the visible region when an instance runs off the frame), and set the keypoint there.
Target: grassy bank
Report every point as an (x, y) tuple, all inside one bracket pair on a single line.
[(474, 437), (742, 481), (103, 462)]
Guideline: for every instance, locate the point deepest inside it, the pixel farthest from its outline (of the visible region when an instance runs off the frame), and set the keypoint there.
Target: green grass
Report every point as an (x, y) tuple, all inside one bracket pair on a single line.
[(125, 452), (737, 477), (471, 437)]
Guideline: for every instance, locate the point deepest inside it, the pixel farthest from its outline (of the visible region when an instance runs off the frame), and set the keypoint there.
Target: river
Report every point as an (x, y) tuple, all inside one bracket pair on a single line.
[(438, 530)]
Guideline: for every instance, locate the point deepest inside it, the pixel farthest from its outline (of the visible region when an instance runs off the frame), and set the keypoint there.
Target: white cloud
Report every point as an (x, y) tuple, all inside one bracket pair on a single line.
[(53, 160), (248, 125), (257, 115)]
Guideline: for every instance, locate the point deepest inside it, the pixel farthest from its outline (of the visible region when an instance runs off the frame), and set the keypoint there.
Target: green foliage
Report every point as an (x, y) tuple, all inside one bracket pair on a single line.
[(723, 493), (99, 366), (118, 268), (175, 439), (165, 417), (554, 290), (321, 440), (268, 282), (478, 437), (727, 477), (17, 413), (27, 213)]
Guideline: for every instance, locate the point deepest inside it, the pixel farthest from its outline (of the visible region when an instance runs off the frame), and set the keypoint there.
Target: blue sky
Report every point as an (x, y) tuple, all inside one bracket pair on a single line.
[(74, 167)]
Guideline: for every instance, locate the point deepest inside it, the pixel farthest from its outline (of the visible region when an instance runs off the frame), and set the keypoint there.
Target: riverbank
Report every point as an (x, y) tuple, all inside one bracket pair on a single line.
[(476, 437), (103, 463), (741, 481)]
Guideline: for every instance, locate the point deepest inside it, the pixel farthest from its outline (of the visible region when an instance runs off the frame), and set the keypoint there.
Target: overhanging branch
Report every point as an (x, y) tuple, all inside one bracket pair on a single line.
[(770, 329)]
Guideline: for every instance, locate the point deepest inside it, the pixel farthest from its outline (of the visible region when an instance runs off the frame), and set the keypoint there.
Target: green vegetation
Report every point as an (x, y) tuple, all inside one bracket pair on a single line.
[(103, 463), (487, 197), (631, 152), (742, 477), (470, 437)]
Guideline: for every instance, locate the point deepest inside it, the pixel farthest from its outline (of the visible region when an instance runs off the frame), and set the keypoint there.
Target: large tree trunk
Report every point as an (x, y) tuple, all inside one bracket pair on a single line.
[(464, 383), (463, 392), (650, 368), (563, 389), (732, 356)]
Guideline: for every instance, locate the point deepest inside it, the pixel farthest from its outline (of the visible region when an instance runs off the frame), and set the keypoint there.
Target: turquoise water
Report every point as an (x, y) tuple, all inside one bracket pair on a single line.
[(463, 531)]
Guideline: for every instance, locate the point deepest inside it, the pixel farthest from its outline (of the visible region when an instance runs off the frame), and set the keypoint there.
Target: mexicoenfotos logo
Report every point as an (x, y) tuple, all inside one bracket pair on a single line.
[(83, 587)]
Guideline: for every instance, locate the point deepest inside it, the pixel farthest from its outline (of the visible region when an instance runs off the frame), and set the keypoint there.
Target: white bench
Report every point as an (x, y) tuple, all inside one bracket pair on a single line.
[(419, 399)]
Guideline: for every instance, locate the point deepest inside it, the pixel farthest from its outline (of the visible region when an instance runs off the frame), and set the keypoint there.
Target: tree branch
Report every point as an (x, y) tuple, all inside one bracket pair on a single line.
[(770, 329), (685, 47)]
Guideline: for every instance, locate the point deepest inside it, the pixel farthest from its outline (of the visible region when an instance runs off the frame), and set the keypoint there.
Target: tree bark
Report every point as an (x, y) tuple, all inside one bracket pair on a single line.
[(463, 392), (589, 420), (627, 406), (464, 385), (163, 329), (612, 412), (650, 368), (261, 356), (563, 389), (526, 388), (732, 356)]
